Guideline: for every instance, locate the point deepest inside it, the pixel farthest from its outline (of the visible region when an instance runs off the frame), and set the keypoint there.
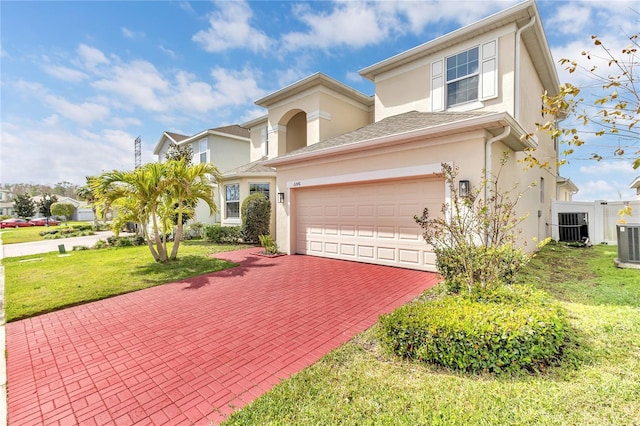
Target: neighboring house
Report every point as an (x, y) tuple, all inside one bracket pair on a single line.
[(6, 202), (82, 212), (353, 170), (636, 185), (226, 147), (565, 189)]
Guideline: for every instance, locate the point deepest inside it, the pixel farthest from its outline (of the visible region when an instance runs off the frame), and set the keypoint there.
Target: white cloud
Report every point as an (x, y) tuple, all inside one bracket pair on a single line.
[(91, 57), (230, 27), (354, 24), (235, 87), (84, 113), (138, 83), (168, 51), (605, 167), (357, 24), (570, 18), (48, 154), (601, 189), (127, 33), (65, 73)]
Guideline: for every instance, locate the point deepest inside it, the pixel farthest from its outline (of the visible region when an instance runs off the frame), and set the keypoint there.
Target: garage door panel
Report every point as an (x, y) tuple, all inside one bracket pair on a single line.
[(386, 232), (368, 222)]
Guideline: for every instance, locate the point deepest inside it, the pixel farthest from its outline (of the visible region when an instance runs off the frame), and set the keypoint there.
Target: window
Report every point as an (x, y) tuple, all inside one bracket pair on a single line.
[(542, 190), (202, 149), (462, 77), (264, 142), (232, 200), (262, 188)]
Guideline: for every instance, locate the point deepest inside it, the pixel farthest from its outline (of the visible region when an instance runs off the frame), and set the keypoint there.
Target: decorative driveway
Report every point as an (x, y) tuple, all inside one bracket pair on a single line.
[(194, 351)]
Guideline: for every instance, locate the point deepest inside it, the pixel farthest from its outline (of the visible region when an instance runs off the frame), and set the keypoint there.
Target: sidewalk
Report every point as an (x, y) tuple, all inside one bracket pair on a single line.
[(45, 246)]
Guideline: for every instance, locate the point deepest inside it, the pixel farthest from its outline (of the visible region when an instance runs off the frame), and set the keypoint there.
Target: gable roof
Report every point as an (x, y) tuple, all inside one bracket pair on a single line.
[(314, 80), (520, 14), (177, 137), (234, 131), (411, 126)]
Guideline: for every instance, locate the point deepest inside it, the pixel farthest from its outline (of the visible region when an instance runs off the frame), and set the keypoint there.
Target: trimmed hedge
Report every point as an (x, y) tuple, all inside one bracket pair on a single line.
[(511, 329), (223, 234)]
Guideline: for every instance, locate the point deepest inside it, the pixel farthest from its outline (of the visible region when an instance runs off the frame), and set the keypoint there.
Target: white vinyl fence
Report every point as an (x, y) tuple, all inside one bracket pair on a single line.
[(598, 219)]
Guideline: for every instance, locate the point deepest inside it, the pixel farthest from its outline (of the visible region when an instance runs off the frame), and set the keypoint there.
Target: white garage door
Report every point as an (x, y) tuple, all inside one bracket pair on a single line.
[(368, 222)]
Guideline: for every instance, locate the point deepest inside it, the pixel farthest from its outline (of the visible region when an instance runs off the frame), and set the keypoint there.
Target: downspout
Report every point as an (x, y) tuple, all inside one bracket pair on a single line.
[(516, 83), (487, 157), (487, 166)]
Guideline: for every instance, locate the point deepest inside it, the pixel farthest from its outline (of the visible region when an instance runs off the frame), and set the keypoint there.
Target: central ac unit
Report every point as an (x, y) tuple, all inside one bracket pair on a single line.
[(629, 243)]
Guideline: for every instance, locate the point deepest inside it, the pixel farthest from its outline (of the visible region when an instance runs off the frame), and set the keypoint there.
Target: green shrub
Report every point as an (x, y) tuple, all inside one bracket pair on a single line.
[(479, 267), (223, 234), (83, 227), (80, 248), (123, 242), (194, 230), (269, 245), (507, 330), (256, 217), (100, 244)]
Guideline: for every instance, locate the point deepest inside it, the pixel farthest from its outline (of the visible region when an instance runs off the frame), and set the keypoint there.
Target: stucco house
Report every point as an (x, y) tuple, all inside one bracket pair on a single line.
[(352, 170), (565, 189), (636, 185), (227, 148)]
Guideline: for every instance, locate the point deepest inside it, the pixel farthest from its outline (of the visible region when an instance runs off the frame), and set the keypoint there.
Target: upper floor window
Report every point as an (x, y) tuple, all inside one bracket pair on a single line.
[(202, 150), (264, 142), (462, 77), (262, 188)]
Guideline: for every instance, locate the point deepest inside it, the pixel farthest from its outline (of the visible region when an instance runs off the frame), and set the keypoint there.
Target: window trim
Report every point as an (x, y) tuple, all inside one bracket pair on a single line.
[(469, 76), (228, 202), (200, 151)]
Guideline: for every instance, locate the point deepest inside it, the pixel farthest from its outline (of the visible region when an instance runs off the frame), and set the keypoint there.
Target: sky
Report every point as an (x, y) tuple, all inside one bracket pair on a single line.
[(80, 80)]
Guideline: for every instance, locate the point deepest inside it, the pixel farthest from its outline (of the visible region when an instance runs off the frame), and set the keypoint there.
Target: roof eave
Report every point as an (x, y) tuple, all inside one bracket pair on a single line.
[(517, 139), (307, 83)]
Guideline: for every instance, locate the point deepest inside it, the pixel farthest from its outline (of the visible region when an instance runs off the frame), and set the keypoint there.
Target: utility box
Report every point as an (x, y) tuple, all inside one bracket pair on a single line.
[(61, 249), (629, 243)]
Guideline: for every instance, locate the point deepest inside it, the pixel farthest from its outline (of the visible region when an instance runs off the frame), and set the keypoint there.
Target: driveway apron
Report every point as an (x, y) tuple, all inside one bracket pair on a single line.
[(194, 351)]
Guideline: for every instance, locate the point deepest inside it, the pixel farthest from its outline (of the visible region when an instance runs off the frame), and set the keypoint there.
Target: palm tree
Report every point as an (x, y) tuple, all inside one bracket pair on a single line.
[(152, 194), (188, 184)]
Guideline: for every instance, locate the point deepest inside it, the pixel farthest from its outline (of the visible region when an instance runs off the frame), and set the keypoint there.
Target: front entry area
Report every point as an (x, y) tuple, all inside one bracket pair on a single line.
[(369, 222)]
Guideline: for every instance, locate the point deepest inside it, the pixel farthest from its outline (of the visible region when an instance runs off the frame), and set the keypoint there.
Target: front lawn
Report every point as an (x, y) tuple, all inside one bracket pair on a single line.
[(598, 384), (46, 282), (28, 234)]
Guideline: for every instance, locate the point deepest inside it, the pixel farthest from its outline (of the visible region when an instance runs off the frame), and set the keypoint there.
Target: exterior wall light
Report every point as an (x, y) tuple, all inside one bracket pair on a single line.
[(464, 188), (280, 197)]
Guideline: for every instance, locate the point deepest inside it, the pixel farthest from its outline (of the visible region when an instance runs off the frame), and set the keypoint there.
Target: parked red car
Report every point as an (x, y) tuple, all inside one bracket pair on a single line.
[(14, 223), (42, 221)]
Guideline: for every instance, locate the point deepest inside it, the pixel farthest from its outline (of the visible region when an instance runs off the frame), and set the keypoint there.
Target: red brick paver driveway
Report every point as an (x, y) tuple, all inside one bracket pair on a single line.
[(195, 350)]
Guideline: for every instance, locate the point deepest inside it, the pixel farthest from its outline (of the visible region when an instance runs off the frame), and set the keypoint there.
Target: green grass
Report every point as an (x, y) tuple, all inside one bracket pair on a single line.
[(42, 283), (27, 234), (599, 383)]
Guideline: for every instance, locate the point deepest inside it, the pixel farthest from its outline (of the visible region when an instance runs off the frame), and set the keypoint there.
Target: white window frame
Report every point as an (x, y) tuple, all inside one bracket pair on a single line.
[(202, 150), (232, 197), (264, 142), (487, 78), (457, 79)]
